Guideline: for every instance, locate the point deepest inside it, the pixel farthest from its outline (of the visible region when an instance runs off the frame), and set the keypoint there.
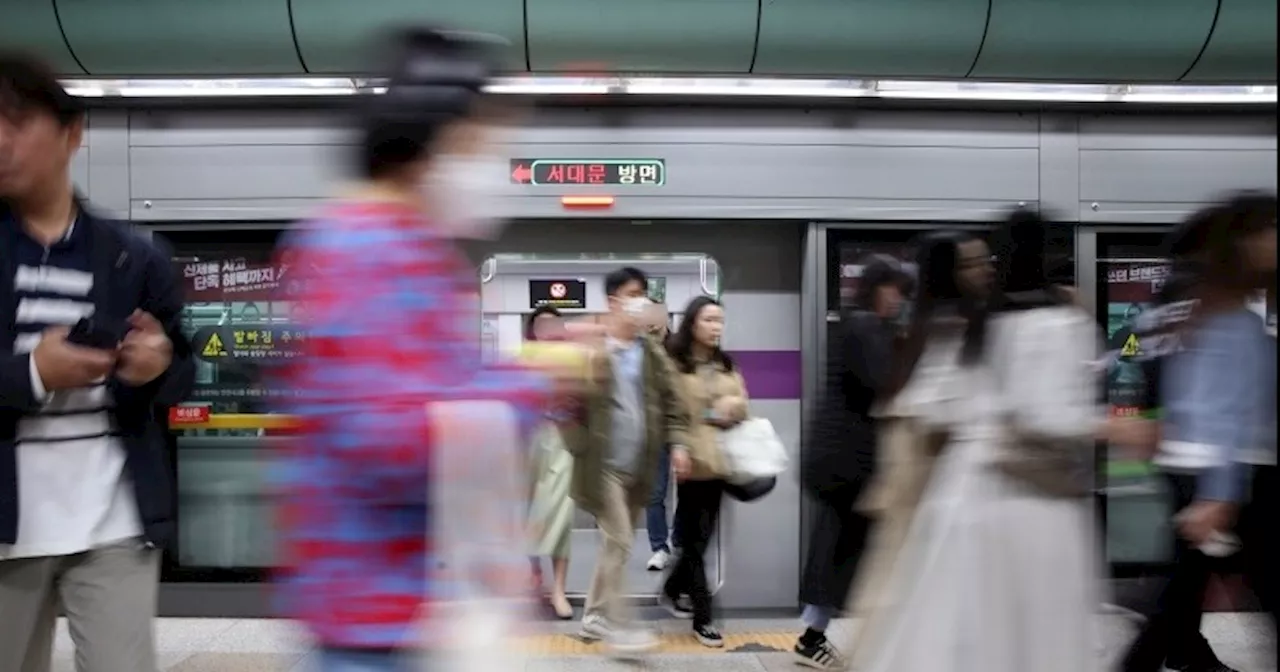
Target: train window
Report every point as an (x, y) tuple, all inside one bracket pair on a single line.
[(846, 248), (237, 327)]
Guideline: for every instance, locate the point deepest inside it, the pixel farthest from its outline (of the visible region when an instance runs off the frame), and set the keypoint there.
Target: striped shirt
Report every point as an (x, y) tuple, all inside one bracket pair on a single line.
[(391, 316), (73, 490)]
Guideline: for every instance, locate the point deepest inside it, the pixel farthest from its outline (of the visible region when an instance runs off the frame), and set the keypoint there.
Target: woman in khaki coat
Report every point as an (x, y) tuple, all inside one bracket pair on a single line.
[(711, 390)]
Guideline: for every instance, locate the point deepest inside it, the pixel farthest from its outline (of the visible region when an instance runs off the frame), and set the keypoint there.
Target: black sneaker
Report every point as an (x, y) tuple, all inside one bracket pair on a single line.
[(819, 655), (708, 636), (680, 607)]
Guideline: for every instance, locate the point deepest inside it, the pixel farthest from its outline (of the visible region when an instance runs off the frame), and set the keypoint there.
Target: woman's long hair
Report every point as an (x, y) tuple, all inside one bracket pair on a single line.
[(680, 343), (938, 290), (529, 333), (1021, 247)]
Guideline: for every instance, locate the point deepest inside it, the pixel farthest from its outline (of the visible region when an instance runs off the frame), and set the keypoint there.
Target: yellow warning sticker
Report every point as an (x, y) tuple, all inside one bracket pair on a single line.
[(213, 347), (1131, 348)]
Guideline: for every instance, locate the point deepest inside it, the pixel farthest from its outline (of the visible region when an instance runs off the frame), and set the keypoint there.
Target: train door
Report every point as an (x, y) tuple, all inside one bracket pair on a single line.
[(843, 248), (513, 285), (222, 440)]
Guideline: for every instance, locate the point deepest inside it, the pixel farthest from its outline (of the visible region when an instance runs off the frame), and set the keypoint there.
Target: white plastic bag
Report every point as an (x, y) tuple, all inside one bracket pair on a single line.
[(480, 570), (752, 450)]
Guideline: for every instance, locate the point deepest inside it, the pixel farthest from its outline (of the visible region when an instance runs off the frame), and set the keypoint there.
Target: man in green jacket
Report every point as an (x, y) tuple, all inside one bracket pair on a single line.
[(630, 416)]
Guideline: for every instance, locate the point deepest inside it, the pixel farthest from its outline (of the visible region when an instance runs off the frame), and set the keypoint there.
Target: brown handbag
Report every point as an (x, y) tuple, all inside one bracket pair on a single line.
[(1055, 467)]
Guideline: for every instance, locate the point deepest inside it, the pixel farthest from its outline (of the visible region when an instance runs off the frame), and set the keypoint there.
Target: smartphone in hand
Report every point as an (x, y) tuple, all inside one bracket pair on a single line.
[(89, 333)]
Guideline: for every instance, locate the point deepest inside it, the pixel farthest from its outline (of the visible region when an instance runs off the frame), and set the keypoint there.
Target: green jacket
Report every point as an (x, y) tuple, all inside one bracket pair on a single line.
[(666, 423)]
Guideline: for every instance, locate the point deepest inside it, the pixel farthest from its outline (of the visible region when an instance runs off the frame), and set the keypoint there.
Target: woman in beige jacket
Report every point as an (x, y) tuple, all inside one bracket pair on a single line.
[(712, 391)]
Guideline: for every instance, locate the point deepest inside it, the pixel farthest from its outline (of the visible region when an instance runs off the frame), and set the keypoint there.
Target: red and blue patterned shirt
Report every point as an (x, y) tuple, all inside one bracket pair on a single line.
[(391, 313)]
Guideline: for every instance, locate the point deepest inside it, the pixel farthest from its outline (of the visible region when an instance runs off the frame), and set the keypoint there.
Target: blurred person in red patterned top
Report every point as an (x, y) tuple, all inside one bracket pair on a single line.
[(388, 524)]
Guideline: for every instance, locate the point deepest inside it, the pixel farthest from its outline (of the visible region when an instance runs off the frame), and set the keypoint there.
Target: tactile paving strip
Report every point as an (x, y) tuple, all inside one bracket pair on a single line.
[(669, 643)]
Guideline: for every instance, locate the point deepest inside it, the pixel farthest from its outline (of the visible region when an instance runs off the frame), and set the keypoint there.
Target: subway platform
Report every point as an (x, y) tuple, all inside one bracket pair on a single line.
[(752, 645)]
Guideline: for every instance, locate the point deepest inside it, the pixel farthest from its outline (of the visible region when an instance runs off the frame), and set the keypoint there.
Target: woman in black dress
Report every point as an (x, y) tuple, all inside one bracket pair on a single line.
[(840, 456)]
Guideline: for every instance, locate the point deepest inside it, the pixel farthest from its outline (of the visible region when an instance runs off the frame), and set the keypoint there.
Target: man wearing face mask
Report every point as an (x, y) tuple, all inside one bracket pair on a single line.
[(628, 421), (391, 310)]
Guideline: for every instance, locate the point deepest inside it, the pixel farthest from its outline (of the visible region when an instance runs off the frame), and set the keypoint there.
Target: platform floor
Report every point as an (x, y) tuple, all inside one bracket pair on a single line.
[(753, 645)]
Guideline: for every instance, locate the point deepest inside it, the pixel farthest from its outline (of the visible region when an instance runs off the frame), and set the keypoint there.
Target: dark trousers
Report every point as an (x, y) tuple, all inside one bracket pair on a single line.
[(837, 541), (656, 511), (697, 514), (1257, 533), (1172, 630)]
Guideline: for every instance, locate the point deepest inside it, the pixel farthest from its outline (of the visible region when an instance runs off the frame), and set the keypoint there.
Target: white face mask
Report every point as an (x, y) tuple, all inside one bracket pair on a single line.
[(463, 196), (635, 306)]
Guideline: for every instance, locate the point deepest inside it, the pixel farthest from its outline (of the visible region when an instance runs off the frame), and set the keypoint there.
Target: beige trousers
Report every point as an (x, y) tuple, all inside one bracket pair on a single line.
[(616, 521), (109, 598)]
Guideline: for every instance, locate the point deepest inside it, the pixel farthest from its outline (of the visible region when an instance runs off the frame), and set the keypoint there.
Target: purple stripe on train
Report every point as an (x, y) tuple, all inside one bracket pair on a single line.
[(770, 374)]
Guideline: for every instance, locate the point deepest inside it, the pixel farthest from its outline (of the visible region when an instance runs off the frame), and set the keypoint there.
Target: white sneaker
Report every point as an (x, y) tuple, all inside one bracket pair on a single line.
[(659, 561), (595, 628), (632, 642)]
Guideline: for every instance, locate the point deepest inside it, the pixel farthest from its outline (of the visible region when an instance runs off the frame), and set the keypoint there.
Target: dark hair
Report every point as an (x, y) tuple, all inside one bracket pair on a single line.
[(533, 319), (1021, 248), (878, 270), (937, 257), (1213, 237), (614, 282), (435, 78), (680, 344), (27, 85)]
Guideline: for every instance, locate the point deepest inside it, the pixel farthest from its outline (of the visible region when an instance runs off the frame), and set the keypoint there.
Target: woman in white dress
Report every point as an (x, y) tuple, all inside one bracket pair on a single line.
[(999, 571), (550, 468)]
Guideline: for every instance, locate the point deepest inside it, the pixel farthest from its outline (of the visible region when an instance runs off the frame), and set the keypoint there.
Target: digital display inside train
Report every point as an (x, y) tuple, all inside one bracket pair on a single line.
[(613, 172)]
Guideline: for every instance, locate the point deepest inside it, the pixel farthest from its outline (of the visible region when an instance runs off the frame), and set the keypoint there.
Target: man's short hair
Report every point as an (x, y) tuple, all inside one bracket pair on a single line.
[(29, 86), (614, 282)]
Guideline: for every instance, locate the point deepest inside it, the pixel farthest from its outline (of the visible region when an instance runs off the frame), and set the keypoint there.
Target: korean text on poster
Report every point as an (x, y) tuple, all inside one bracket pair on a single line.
[(232, 279), (251, 342)]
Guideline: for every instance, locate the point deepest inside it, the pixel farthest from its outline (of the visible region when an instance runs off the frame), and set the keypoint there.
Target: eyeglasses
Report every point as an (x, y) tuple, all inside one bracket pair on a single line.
[(976, 262)]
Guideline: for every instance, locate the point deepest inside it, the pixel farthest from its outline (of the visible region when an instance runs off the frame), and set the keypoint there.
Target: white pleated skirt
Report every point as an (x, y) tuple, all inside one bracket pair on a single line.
[(992, 578)]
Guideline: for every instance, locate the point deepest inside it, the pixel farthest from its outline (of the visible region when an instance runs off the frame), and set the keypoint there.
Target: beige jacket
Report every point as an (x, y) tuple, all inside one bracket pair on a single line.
[(906, 457), (698, 392), (588, 439)]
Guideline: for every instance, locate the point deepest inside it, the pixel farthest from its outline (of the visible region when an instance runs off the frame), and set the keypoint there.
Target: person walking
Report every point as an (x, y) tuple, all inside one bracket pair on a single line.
[(1000, 568), (1217, 395), (91, 352), (841, 458), (397, 532), (551, 466), (715, 398), (630, 416)]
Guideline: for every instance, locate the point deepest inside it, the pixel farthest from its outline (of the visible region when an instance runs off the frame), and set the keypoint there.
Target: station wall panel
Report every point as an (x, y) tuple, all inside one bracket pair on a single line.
[(892, 166)]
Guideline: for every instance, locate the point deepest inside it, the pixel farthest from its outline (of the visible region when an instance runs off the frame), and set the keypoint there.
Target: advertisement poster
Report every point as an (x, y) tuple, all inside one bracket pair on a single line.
[(236, 278), (1131, 291), (239, 325)]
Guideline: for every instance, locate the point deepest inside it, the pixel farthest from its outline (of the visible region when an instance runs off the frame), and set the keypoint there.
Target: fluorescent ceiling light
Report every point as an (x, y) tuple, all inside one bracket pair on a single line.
[(703, 87)]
